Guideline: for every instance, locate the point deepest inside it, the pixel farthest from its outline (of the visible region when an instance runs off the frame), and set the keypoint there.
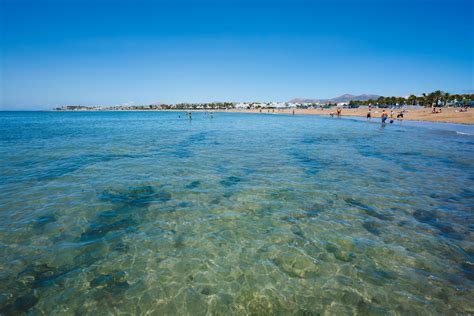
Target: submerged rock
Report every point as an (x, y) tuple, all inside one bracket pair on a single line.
[(372, 227), (358, 204), (107, 280), (142, 195), (298, 231), (193, 185), (290, 219), (432, 218), (21, 305), (368, 209), (100, 230), (426, 217), (338, 254), (43, 220), (40, 275), (296, 265), (230, 181), (24, 303), (381, 216)]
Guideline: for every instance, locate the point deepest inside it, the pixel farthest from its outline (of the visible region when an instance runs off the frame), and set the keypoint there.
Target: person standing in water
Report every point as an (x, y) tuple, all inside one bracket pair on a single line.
[(384, 117), (369, 115)]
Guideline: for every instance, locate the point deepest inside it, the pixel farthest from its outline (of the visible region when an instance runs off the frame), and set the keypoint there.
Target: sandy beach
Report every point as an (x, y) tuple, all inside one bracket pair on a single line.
[(448, 115)]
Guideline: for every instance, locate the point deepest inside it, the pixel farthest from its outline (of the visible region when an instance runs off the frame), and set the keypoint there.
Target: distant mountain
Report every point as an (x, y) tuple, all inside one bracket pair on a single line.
[(342, 98)]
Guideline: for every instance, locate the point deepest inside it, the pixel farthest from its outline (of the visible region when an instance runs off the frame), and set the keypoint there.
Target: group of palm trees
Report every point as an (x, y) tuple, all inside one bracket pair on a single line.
[(436, 98)]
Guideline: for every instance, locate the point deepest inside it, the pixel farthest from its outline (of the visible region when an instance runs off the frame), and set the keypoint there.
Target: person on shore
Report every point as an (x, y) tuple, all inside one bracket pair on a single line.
[(331, 114), (391, 114), (400, 116), (293, 112), (369, 115), (339, 112)]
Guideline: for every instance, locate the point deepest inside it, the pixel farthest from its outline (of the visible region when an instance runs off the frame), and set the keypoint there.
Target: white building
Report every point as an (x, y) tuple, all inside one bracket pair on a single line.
[(242, 105)]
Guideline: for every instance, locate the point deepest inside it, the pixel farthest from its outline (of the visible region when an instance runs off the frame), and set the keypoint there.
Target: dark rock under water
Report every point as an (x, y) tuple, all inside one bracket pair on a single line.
[(193, 185), (433, 219), (369, 210), (21, 305), (44, 220), (372, 227), (140, 195), (230, 181), (99, 230), (105, 280)]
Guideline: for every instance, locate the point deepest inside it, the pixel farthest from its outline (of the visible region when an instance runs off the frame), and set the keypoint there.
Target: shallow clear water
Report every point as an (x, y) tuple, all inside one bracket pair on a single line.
[(236, 214)]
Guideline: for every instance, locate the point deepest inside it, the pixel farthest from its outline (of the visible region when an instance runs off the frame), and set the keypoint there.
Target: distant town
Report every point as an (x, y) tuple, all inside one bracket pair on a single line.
[(437, 98)]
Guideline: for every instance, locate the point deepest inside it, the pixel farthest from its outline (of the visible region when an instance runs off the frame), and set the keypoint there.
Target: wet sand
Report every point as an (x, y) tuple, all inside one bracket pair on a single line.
[(448, 115)]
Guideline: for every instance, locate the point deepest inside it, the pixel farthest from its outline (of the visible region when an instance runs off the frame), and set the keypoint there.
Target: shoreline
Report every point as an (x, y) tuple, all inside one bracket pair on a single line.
[(448, 115)]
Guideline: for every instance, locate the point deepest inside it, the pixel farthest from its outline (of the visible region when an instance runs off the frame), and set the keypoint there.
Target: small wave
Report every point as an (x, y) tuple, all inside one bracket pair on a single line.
[(462, 133)]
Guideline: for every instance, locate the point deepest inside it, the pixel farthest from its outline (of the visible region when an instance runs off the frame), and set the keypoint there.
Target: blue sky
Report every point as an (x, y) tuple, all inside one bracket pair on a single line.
[(56, 52)]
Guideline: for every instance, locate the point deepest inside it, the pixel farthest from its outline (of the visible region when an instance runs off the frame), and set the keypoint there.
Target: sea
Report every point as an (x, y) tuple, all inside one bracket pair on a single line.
[(156, 213)]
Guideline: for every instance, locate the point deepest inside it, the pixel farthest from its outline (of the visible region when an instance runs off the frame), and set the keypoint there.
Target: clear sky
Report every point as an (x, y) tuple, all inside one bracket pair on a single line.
[(57, 52)]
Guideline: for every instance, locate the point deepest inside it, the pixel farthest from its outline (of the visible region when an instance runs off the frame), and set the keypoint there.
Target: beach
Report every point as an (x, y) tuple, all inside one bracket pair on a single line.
[(447, 115)]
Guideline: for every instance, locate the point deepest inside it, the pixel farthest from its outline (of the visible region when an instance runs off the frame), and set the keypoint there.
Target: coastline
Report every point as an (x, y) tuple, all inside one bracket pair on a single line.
[(448, 115)]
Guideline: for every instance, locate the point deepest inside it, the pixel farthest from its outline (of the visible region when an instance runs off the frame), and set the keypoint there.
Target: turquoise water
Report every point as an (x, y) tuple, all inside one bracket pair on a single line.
[(150, 213)]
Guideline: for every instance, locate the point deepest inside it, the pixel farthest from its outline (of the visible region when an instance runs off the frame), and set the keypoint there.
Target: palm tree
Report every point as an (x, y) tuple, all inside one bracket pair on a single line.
[(412, 99), (425, 99), (437, 95), (446, 98), (381, 100)]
